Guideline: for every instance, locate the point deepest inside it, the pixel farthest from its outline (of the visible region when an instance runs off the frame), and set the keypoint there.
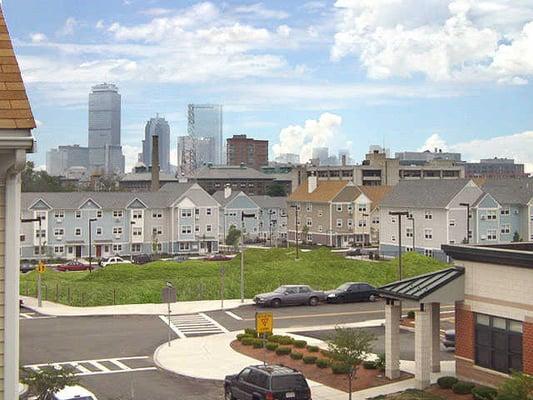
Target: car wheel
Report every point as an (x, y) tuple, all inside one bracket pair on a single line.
[(313, 301), (228, 395), (372, 298), (275, 303)]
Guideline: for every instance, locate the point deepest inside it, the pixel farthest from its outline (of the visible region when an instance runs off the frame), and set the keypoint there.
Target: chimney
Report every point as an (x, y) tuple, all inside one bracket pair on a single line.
[(311, 183), (343, 160), (227, 191), (155, 163)]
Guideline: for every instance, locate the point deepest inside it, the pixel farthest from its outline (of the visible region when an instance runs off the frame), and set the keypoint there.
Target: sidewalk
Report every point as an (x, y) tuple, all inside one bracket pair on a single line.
[(211, 357), (181, 307)]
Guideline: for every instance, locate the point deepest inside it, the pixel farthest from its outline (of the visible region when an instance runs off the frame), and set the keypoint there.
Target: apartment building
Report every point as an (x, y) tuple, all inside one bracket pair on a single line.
[(182, 218), (248, 151)]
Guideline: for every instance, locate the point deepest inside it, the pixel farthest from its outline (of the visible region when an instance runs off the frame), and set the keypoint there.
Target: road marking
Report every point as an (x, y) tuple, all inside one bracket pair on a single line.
[(193, 325), (97, 364), (34, 316), (234, 316), (172, 326)]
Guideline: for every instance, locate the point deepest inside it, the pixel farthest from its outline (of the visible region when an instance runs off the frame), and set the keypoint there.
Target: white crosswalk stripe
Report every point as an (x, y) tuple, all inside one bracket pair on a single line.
[(193, 325), (97, 367)]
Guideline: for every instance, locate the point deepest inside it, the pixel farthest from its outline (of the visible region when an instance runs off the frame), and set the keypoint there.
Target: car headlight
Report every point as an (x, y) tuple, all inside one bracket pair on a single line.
[(331, 295)]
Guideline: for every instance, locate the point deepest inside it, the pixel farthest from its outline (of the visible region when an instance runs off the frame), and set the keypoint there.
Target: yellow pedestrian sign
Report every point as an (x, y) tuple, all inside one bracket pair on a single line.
[(40, 267), (264, 322)]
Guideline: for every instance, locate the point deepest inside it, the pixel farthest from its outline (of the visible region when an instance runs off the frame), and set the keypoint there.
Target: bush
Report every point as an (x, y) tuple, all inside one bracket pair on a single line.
[(251, 332), (506, 396), (313, 349), (241, 336), (484, 393), (285, 340), (380, 362), (309, 359), (340, 368), (322, 363), (296, 355), (247, 341), (518, 386), (326, 353), (300, 344), (271, 346), (446, 382), (257, 343), (463, 387), (411, 314), (274, 338), (369, 365), (283, 351)]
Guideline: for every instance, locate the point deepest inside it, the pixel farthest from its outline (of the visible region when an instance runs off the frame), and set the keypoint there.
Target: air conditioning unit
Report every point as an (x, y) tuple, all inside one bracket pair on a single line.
[(117, 236), (59, 220), (483, 237)]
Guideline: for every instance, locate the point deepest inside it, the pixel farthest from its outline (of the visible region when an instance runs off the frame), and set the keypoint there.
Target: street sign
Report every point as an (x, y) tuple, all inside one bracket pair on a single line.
[(264, 322), (41, 267), (168, 295)]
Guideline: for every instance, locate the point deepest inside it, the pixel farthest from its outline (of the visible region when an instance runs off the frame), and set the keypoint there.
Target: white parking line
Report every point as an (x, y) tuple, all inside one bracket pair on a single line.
[(234, 316), (34, 316)]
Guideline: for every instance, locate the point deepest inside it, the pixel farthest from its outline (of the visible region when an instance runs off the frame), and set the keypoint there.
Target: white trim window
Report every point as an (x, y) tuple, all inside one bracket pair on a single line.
[(409, 232), (157, 230), (118, 214), (428, 215), (320, 213), (99, 230), (208, 211), (492, 234), (362, 223), (197, 228), (117, 230), (99, 214), (393, 238), (375, 220), (361, 207), (339, 207), (349, 223), (41, 214), (186, 213), (492, 214), (505, 211), (137, 231), (186, 229), (209, 228), (309, 237), (135, 247), (137, 214), (59, 214), (77, 214), (59, 249), (339, 223), (157, 214), (349, 207), (428, 252), (77, 232), (451, 222), (506, 228), (309, 207), (428, 233), (59, 232), (309, 222), (117, 247), (320, 228)]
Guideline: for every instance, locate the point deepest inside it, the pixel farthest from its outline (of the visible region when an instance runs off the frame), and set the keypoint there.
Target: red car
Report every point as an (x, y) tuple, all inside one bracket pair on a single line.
[(73, 265), (217, 257)]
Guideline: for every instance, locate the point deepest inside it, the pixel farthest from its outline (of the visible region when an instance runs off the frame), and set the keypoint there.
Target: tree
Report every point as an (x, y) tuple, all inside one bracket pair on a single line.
[(518, 386), (48, 380), (39, 181), (276, 190), (350, 346), (516, 237), (233, 236)]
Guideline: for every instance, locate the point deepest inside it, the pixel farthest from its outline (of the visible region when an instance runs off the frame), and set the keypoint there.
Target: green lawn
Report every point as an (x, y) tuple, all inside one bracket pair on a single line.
[(200, 280)]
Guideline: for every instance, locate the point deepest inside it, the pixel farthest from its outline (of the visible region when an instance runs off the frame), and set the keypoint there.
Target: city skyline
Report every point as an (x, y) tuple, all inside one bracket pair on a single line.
[(318, 73)]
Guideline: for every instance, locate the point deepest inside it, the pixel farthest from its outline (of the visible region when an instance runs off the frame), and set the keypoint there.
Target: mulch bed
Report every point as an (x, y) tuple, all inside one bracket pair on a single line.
[(364, 378), (448, 393)]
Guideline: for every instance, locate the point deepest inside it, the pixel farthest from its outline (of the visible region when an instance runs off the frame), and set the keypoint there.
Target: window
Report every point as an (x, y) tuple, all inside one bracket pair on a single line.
[(393, 238), (362, 207), (428, 215), (308, 207), (186, 229), (197, 228), (99, 214), (137, 231), (187, 213), (392, 220), (320, 213), (339, 207), (208, 228), (159, 247), (362, 223), (77, 214), (157, 214), (491, 214), (70, 249), (339, 223), (452, 222), (59, 249), (207, 211), (36, 250), (59, 214), (298, 207), (22, 238), (59, 232), (41, 214), (185, 246), (409, 232), (349, 207), (157, 230), (428, 234), (309, 222), (349, 223), (117, 247), (491, 234), (137, 214), (99, 230), (428, 252), (77, 231), (117, 230), (117, 214), (506, 228), (375, 220), (136, 248), (505, 211), (498, 343), (40, 233)]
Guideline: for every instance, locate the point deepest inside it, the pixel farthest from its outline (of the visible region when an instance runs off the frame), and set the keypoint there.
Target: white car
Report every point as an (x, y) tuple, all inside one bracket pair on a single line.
[(74, 393), (114, 260)]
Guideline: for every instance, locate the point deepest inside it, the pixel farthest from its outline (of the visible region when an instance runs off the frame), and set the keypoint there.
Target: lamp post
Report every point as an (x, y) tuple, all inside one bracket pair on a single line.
[(243, 216), (412, 219), (364, 225), (91, 220), (399, 214), (131, 240), (467, 205), (295, 206), (39, 283)]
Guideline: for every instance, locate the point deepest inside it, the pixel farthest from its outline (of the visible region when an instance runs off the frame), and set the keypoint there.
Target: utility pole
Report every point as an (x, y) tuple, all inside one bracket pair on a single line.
[(91, 220), (243, 216), (412, 219), (399, 214), (39, 281), (295, 206), (364, 226), (467, 205)]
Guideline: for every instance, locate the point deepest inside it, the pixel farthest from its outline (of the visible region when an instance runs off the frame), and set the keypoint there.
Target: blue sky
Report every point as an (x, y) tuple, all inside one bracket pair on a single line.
[(345, 74)]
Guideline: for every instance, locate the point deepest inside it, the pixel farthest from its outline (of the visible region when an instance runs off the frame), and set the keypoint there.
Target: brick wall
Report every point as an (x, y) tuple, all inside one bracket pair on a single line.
[(527, 347), (464, 331), (466, 370)]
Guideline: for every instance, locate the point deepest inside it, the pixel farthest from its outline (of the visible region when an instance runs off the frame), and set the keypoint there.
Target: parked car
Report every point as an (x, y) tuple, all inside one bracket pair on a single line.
[(27, 267), (113, 260), (448, 340), (180, 258), (217, 257), (73, 265), (354, 253), (141, 258), (290, 295), (74, 393), (350, 292), (267, 382)]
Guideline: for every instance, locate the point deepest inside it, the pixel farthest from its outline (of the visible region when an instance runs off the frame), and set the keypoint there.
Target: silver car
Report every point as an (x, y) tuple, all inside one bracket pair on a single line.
[(290, 295)]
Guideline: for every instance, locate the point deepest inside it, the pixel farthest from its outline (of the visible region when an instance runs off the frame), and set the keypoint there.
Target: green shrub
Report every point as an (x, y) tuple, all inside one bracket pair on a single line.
[(274, 338), (380, 362), (325, 353), (518, 386), (241, 336), (300, 344), (251, 332), (271, 346), (446, 382), (369, 365), (285, 340), (313, 349), (463, 387), (283, 351), (506, 396), (296, 355), (322, 363), (257, 343), (484, 393), (247, 341), (340, 368), (411, 314), (309, 359)]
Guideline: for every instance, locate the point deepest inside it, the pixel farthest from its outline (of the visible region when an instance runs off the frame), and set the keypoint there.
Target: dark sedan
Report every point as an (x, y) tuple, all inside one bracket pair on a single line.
[(351, 292), (73, 265)]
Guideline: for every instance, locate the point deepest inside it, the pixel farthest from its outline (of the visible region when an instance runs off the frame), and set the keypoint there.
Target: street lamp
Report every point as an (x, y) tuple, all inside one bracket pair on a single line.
[(243, 216), (91, 220), (295, 206), (364, 215), (467, 205), (39, 284), (412, 219), (399, 214)]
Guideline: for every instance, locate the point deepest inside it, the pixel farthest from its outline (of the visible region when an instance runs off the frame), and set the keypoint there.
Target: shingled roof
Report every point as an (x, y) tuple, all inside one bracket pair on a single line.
[(325, 191), (15, 111)]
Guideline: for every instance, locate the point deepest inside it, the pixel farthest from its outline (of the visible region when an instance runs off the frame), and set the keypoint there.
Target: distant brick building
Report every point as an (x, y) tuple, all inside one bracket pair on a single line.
[(250, 152)]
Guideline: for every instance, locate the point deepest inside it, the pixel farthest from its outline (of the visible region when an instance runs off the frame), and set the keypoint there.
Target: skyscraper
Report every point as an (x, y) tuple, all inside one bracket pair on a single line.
[(59, 160), (205, 121), (159, 127), (105, 151)]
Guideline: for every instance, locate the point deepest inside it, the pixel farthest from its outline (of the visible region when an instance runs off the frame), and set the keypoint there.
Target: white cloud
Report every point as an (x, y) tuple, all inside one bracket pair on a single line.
[(302, 139), (38, 37), (130, 155), (283, 30), (156, 11), (258, 10), (444, 40), (99, 24), (39, 123), (68, 28), (434, 142)]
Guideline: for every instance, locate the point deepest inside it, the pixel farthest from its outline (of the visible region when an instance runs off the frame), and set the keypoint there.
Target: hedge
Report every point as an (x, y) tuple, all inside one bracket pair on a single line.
[(312, 349), (251, 332), (285, 340), (296, 355), (322, 363), (484, 393), (309, 359), (369, 365), (241, 336), (411, 314), (283, 351), (271, 346), (247, 341), (446, 382), (463, 387), (340, 368), (274, 338), (300, 344), (257, 343)]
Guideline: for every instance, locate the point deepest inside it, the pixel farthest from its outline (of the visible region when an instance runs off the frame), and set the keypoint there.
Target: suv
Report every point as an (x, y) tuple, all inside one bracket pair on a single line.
[(267, 382)]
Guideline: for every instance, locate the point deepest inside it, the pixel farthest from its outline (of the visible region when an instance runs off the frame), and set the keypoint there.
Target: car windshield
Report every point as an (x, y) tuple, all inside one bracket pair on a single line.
[(344, 286), (281, 289), (289, 382)]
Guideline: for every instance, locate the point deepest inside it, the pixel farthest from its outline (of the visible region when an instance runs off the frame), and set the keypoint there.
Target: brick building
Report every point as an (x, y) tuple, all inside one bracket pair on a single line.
[(247, 151)]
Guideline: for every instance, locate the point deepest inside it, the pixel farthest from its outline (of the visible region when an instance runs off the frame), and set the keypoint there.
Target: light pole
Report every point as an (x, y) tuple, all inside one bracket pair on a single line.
[(412, 219), (91, 220), (467, 205), (295, 206), (399, 214), (39, 283), (243, 216), (364, 225), (131, 238)]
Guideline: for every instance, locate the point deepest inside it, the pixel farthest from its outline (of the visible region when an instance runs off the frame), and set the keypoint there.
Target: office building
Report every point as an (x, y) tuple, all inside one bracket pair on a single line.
[(288, 158), (495, 168), (243, 150), (205, 121), (159, 127), (194, 153), (62, 158), (422, 157), (320, 155), (105, 150)]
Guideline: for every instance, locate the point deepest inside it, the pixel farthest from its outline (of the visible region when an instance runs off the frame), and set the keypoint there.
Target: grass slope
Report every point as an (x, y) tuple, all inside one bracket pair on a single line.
[(200, 280)]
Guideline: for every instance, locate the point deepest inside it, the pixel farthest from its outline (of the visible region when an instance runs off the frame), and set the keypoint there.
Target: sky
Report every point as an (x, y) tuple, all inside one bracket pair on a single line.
[(406, 74)]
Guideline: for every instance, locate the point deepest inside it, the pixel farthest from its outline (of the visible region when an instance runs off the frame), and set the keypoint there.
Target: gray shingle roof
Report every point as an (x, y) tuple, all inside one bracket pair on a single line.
[(347, 195), (270, 202), (424, 193), (230, 172), (219, 196), (510, 191), (147, 176)]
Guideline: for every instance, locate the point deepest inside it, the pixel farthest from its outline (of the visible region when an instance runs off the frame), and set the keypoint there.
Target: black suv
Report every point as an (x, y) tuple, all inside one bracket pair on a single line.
[(267, 382)]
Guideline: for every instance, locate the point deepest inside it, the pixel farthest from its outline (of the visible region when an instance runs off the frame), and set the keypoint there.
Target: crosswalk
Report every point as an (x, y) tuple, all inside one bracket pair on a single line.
[(193, 325), (102, 366)]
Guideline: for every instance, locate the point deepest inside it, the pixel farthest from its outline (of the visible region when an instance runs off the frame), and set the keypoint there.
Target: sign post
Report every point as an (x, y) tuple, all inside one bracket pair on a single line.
[(168, 295), (40, 270), (222, 273), (264, 324)]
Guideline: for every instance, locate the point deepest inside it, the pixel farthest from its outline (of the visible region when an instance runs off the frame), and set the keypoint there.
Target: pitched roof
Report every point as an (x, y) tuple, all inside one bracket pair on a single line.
[(376, 193), (429, 193), (146, 176), (348, 194), (15, 110), (510, 191), (219, 196), (229, 172), (270, 201), (325, 191)]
